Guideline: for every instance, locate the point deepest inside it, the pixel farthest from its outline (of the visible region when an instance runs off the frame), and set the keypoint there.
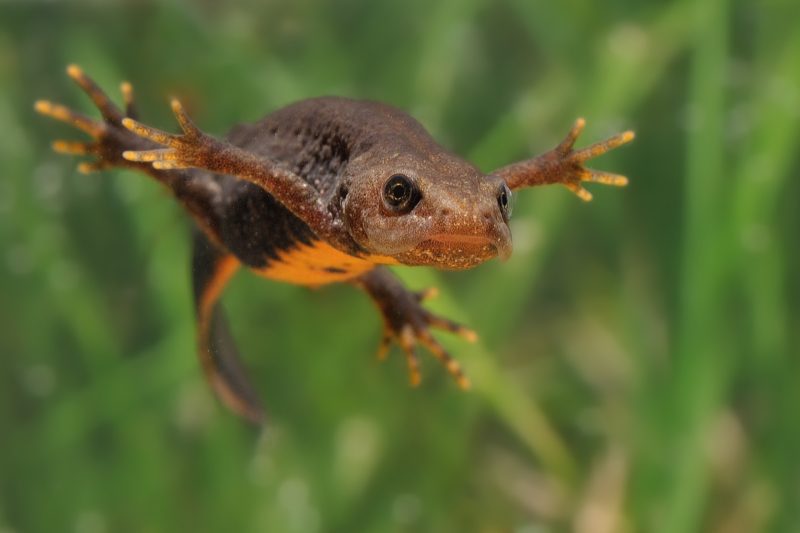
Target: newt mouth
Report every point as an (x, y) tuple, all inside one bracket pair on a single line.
[(499, 247), (479, 240)]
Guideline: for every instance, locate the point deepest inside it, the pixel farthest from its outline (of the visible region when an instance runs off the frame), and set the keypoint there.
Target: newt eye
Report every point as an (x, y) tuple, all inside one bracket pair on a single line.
[(400, 194), (504, 201)]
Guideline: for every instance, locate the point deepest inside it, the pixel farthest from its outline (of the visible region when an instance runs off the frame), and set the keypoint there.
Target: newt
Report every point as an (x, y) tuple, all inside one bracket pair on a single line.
[(325, 190)]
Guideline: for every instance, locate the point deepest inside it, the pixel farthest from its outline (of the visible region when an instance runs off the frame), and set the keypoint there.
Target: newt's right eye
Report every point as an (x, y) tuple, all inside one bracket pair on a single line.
[(504, 198), (400, 194)]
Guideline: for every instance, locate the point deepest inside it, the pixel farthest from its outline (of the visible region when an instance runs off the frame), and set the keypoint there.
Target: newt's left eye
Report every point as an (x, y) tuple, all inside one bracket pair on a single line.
[(400, 194), (504, 201)]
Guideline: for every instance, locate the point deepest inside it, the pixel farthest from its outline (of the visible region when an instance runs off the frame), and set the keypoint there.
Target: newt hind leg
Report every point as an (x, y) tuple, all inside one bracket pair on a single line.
[(211, 270), (409, 324)]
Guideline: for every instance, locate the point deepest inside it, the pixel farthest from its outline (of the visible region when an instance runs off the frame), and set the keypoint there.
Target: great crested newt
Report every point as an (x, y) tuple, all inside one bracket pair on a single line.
[(321, 191)]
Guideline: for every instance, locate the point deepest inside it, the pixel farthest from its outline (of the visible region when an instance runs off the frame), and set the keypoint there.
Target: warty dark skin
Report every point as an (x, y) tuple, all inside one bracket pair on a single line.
[(322, 191)]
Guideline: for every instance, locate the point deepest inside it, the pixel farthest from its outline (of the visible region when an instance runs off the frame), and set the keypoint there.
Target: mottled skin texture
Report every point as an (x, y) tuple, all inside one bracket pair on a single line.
[(325, 190)]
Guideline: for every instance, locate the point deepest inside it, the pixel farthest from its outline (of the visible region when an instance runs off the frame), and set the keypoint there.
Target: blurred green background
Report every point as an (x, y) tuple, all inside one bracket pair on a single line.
[(638, 366)]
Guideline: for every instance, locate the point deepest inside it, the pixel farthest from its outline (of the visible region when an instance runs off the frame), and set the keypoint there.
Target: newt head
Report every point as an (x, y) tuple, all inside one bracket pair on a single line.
[(424, 206)]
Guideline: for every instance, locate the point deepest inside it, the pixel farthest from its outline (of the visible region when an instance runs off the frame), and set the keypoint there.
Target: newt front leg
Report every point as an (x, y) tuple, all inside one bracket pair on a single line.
[(409, 324), (197, 149), (565, 165)]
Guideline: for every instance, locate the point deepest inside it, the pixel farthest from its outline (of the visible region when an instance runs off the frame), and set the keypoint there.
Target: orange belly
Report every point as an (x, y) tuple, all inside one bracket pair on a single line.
[(318, 264)]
